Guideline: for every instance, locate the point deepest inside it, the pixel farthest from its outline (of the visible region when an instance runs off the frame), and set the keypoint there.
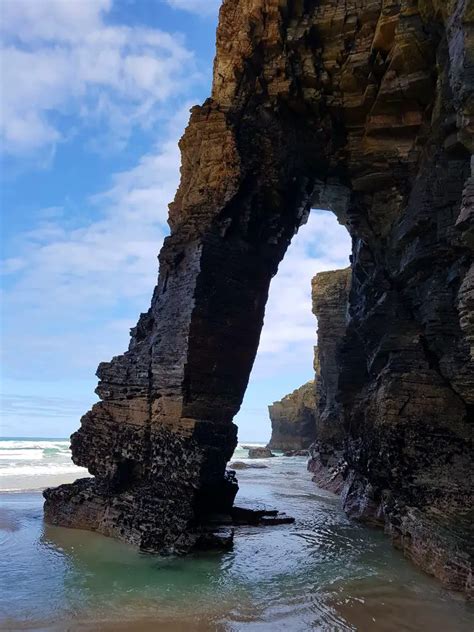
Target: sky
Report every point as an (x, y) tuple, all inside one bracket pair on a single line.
[(94, 97)]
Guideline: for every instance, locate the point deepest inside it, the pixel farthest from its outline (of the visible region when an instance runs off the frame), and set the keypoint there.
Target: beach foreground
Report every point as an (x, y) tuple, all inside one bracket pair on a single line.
[(322, 573)]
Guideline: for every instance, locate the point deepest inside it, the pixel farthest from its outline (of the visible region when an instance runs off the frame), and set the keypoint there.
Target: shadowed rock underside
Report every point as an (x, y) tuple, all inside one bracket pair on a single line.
[(363, 107)]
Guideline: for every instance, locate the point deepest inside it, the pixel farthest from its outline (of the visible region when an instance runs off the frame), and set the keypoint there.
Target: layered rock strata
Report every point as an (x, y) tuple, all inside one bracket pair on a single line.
[(364, 107), (330, 296), (293, 419)]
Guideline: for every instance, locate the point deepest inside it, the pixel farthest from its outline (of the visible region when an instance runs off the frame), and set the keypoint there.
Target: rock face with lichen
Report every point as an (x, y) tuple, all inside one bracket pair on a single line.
[(293, 419), (364, 107)]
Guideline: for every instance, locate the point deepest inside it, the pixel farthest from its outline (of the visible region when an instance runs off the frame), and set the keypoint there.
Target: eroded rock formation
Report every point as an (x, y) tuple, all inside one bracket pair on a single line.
[(364, 107), (293, 419), (330, 294)]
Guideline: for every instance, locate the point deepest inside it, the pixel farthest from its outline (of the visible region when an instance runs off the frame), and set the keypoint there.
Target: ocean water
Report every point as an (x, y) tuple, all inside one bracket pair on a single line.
[(29, 464), (321, 573)]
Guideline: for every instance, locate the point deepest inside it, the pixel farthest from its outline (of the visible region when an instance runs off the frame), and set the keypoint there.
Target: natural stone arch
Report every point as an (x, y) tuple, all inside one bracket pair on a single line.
[(363, 102)]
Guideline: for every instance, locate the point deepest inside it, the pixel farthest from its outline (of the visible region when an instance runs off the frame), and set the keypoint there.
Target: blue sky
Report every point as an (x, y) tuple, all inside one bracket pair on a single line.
[(95, 95)]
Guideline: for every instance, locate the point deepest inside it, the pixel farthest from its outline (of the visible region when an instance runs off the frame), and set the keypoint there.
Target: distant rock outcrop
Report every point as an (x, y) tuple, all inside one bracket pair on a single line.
[(293, 419)]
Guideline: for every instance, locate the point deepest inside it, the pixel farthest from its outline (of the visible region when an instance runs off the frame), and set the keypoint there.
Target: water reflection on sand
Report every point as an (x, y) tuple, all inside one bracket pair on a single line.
[(322, 573)]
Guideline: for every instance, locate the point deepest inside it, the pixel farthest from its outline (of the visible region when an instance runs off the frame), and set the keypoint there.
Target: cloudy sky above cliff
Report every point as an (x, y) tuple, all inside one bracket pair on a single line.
[(95, 95)]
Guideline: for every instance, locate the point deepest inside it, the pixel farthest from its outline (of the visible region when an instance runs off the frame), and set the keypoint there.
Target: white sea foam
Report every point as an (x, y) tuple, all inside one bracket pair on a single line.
[(39, 470), (36, 463), (21, 455), (33, 444)]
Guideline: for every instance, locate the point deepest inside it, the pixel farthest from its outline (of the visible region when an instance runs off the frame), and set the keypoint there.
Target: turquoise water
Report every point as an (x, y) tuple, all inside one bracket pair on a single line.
[(322, 573)]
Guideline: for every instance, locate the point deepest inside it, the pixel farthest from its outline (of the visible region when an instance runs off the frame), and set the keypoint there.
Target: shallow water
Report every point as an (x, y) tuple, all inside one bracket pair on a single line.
[(322, 573)]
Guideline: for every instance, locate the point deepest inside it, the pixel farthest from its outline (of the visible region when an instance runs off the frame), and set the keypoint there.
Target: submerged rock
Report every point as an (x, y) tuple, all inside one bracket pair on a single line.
[(220, 539), (251, 513)]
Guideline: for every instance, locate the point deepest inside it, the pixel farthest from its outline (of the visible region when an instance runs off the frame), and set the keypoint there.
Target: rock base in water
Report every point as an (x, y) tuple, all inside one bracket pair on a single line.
[(329, 475), (240, 465), (214, 531), (260, 453)]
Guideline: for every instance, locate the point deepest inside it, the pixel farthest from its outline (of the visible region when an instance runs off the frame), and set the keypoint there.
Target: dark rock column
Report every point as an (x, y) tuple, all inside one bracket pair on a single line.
[(159, 440)]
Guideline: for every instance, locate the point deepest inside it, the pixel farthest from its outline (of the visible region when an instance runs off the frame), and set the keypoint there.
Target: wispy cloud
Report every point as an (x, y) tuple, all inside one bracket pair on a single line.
[(62, 59), (201, 7), (34, 415), (16, 406), (74, 290), (76, 285)]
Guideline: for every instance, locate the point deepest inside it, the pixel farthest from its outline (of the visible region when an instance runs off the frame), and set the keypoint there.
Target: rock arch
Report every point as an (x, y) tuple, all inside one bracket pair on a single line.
[(364, 106)]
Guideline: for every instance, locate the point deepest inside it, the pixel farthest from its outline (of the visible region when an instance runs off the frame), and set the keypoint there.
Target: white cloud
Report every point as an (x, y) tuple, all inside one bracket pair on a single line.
[(15, 405), (76, 290), (75, 286), (61, 58), (77, 282), (201, 7), (289, 332)]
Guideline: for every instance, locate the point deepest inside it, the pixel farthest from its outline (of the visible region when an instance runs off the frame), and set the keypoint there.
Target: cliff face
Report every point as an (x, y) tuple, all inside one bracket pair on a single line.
[(294, 419), (364, 107), (330, 293)]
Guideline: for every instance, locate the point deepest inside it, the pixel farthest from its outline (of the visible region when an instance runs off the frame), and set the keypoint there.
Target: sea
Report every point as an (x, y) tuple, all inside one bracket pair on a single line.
[(324, 572)]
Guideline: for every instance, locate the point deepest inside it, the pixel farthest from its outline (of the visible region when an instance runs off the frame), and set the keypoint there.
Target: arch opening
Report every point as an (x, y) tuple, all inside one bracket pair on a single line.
[(285, 358), (371, 120)]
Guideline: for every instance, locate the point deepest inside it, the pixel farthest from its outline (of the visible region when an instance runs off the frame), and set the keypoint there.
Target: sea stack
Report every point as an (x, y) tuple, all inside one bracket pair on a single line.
[(365, 108), (330, 296), (293, 419)]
